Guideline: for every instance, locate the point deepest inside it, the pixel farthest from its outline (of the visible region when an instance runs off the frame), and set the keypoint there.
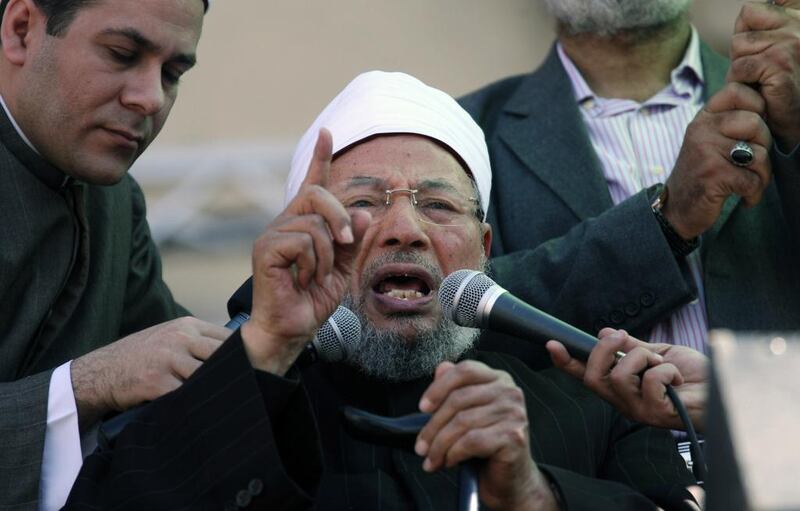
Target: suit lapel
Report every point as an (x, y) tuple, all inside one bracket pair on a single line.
[(544, 129)]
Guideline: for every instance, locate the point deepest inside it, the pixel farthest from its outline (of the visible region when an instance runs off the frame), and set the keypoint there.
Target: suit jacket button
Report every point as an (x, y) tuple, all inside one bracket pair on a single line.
[(632, 309), (255, 487), (617, 317), (243, 498), (647, 299)]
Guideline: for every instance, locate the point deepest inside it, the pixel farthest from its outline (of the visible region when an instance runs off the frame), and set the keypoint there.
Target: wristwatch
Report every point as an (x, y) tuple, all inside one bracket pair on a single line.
[(680, 247)]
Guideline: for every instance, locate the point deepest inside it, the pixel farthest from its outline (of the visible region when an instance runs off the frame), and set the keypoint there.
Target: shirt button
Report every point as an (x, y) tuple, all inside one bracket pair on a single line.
[(657, 170), (255, 487), (243, 498), (617, 317), (632, 309), (588, 104)]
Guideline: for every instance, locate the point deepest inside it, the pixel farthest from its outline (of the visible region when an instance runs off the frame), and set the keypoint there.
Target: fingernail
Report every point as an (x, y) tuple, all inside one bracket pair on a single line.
[(425, 404), (421, 448), (427, 466), (347, 234)]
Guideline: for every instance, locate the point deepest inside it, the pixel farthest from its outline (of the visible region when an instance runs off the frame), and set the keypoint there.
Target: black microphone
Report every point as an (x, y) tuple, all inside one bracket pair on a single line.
[(332, 343), (472, 299), (240, 304)]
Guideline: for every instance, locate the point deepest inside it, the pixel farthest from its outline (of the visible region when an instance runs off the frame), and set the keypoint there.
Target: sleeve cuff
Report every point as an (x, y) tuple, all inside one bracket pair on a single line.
[(277, 390), (62, 457)]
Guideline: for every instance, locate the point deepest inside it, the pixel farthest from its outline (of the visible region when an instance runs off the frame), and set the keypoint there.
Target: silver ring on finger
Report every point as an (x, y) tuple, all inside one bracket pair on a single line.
[(742, 154)]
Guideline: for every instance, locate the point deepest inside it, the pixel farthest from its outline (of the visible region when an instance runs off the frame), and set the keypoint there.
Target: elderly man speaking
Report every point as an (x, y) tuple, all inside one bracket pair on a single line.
[(386, 197)]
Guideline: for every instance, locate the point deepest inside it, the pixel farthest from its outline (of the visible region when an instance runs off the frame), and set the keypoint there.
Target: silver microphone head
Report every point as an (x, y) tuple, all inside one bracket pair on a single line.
[(337, 335), (466, 297)]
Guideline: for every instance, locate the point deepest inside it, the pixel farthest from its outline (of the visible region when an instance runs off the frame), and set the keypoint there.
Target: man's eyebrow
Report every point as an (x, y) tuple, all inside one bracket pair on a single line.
[(427, 184), (367, 181), (188, 59), (437, 184)]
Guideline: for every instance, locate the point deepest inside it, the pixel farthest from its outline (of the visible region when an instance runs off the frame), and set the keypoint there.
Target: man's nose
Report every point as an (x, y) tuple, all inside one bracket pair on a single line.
[(144, 91), (401, 226)]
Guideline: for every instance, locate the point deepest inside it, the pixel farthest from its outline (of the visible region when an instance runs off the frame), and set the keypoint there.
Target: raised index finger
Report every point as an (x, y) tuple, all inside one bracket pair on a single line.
[(320, 165)]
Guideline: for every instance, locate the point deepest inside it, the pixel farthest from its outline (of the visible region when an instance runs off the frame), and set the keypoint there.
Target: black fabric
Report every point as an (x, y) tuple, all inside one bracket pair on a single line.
[(200, 446), (174, 458)]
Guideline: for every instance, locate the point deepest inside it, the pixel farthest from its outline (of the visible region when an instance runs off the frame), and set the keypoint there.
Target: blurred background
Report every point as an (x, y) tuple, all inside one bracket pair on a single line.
[(214, 177)]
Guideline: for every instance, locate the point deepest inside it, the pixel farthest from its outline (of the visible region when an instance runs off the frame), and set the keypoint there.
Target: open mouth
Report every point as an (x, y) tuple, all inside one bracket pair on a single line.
[(403, 287)]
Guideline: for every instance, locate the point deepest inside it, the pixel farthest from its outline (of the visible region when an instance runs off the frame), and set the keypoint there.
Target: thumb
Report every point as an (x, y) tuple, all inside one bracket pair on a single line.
[(790, 4), (346, 253), (790, 7), (442, 368), (562, 360)]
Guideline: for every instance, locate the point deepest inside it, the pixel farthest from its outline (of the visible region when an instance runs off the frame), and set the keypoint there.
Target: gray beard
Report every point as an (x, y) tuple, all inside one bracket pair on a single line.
[(389, 356), (610, 17)]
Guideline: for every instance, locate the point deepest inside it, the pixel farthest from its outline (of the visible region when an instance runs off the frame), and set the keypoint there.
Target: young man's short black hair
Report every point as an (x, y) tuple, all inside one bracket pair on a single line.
[(60, 13)]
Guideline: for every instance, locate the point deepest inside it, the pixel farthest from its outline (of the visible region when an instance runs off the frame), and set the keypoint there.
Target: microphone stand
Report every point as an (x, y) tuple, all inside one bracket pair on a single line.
[(394, 428)]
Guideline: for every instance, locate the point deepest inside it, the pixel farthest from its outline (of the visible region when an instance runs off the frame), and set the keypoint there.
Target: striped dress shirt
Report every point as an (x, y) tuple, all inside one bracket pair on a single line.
[(637, 145)]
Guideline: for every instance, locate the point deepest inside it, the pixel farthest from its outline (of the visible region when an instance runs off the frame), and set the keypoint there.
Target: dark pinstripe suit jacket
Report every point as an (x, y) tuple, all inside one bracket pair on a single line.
[(560, 244), (231, 430), (77, 270)]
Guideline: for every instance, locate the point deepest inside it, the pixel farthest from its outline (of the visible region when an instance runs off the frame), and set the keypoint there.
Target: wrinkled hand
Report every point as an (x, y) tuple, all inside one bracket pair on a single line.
[(765, 53), (142, 366), (479, 412), (704, 176), (636, 386), (302, 266)]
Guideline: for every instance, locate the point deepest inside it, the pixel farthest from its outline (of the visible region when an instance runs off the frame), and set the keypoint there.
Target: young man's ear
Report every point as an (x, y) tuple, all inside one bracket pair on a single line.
[(22, 21)]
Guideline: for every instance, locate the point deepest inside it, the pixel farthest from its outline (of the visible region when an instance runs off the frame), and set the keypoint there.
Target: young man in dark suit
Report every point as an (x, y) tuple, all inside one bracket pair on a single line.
[(621, 195), (88, 326)]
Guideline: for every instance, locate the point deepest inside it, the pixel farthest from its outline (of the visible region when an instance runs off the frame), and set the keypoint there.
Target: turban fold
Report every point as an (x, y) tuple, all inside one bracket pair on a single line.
[(378, 102)]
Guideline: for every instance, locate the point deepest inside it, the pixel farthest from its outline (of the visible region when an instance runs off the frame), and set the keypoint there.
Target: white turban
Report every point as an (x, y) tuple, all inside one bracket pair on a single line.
[(379, 102)]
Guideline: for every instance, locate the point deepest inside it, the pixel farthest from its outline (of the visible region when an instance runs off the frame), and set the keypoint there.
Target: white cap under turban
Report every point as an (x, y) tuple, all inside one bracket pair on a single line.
[(379, 102)]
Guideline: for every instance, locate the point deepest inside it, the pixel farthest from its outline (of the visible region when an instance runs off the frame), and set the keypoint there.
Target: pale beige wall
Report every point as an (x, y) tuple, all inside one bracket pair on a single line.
[(268, 66)]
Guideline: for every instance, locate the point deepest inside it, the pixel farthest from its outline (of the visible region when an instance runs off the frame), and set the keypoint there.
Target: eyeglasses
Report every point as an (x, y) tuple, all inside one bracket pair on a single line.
[(436, 207)]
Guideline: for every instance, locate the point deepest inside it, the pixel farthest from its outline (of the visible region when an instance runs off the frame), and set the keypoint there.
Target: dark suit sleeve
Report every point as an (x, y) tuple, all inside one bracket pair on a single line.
[(23, 408), (786, 169), (615, 269), (597, 459), (229, 438), (148, 300), (641, 470)]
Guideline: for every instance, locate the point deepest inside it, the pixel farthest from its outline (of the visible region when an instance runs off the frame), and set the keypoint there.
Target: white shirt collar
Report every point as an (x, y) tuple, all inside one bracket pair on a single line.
[(16, 126)]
